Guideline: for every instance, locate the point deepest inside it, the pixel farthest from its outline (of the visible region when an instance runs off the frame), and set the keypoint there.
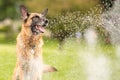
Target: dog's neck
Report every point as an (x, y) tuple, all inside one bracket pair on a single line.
[(32, 40)]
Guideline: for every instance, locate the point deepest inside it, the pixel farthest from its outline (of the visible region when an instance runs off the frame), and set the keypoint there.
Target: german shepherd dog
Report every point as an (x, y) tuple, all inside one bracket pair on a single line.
[(29, 65)]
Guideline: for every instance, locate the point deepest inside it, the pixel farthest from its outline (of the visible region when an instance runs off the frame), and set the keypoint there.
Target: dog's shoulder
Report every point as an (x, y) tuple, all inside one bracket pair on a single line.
[(41, 42)]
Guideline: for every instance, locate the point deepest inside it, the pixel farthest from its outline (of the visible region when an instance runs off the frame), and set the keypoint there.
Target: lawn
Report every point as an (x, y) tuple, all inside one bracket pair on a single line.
[(63, 60), (74, 61), (7, 61)]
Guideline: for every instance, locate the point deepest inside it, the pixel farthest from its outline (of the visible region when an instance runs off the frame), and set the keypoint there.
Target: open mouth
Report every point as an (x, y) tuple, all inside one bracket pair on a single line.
[(40, 28)]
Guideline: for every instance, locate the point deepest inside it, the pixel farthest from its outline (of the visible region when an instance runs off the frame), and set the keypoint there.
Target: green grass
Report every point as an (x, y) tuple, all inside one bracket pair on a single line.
[(63, 60), (69, 61), (7, 61)]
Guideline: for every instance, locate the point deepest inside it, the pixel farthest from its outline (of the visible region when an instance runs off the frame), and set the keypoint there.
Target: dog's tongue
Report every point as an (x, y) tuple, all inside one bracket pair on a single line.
[(40, 28)]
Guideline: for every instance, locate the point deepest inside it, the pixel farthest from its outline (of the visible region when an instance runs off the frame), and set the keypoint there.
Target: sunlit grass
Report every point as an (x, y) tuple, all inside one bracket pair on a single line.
[(71, 61), (63, 60), (7, 61)]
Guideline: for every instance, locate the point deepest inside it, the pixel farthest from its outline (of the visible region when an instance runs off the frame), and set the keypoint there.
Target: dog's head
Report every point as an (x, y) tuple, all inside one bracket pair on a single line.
[(34, 22)]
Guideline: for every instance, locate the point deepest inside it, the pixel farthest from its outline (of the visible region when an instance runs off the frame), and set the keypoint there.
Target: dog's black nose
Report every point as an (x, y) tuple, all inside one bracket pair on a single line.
[(44, 25)]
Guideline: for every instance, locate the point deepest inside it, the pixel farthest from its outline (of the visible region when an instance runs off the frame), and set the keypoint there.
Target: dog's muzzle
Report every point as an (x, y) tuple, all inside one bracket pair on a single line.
[(39, 27)]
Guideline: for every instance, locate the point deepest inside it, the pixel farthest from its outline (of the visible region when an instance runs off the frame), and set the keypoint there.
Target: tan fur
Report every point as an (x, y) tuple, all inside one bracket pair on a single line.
[(29, 65)]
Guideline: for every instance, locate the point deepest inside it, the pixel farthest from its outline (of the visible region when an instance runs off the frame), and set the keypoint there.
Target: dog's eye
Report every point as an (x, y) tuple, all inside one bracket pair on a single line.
[(36, 16)]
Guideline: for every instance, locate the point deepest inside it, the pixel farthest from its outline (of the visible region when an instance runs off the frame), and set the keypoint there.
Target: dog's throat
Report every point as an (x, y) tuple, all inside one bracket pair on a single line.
[(32, 51)]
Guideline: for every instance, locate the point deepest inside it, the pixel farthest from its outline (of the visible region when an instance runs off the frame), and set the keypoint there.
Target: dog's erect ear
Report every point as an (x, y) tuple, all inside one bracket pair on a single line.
[(48, 68), (44, 13), (24, 12)]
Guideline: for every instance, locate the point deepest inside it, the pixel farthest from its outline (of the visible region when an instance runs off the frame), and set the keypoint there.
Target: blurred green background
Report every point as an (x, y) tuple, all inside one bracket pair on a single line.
[(10, 23), (66, 47)]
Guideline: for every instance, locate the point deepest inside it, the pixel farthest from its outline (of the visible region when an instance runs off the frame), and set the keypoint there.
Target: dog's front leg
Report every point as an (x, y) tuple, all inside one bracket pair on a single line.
[(18, 74)]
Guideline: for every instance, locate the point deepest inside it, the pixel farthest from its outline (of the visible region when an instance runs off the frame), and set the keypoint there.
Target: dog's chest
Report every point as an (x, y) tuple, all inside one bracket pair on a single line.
[(36, 64), (35, 50), (31, 67), (33, 63), (32, 50)]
